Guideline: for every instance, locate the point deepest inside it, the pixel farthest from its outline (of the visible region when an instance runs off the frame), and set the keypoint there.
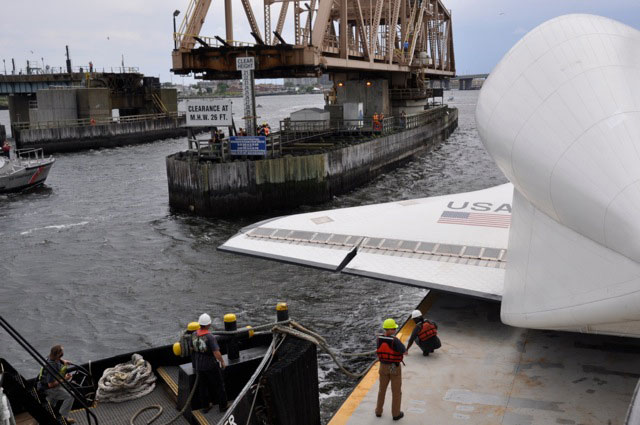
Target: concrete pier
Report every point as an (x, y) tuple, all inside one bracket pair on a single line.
[(214, 189), (69, 139)]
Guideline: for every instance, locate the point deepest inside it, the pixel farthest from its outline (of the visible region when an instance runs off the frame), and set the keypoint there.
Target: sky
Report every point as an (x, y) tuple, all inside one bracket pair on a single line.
[(104, 32)]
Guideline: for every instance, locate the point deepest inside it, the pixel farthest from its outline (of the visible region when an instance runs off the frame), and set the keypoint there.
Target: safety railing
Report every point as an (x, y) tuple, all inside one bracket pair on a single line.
[(308, 134), (211, 41), (296, 131), (51, 70), (208, 149), (410, 93), (29, 156), (84, 122)]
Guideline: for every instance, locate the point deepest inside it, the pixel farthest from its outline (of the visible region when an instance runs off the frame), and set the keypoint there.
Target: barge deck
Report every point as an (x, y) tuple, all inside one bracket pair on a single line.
[(490, 373)]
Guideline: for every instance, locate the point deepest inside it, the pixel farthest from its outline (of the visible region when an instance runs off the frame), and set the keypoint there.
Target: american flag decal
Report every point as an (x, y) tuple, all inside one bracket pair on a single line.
[(476, 219)]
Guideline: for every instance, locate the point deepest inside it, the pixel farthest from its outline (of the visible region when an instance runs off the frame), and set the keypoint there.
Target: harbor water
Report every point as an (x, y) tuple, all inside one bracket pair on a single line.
[(95, 260)]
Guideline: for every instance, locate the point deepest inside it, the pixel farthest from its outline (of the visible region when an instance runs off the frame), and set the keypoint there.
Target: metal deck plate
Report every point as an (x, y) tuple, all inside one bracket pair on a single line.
[(487, 373), (121, 413)]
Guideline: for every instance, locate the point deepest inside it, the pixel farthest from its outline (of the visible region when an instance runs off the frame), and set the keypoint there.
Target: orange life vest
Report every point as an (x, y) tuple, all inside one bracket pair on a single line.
[(428, 330), (385, 351)]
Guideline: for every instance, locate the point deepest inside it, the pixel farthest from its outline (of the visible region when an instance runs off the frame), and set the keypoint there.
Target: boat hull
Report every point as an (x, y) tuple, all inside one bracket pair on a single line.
[(24, 176)]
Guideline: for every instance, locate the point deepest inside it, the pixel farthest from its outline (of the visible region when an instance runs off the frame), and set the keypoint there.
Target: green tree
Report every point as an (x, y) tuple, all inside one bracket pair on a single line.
[(222, 88)]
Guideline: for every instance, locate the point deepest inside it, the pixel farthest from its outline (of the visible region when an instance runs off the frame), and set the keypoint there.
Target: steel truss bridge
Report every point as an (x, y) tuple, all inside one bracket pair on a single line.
[(404, 41)]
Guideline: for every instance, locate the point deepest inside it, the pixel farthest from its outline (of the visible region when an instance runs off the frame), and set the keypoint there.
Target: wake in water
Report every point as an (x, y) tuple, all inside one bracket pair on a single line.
[(54, 227)]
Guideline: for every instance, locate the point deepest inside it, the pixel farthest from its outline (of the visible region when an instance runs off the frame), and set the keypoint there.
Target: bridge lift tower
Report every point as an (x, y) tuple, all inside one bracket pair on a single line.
[(378, 52)]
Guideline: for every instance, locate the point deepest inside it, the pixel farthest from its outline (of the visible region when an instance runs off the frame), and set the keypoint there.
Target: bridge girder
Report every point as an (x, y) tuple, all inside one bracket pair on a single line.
[(397, 36)]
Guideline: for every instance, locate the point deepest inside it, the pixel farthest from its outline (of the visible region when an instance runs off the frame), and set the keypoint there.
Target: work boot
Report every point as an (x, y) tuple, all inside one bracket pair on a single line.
[(379, 415), (400, 416)]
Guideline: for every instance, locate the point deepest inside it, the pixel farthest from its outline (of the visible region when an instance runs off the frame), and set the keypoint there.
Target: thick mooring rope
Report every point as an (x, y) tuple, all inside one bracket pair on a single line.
[(308, 335), (126, 381)]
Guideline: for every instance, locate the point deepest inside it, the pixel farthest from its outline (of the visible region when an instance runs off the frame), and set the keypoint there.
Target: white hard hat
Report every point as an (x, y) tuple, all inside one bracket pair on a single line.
[(204, 319), (416, 313)]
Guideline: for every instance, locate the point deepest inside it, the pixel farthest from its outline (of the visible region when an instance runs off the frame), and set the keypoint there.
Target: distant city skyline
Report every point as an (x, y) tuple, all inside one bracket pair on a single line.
[(141, 31)]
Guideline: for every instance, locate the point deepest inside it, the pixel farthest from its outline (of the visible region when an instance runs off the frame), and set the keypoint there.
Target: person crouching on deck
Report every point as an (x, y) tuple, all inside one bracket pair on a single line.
[(390, 353), (425, 334)]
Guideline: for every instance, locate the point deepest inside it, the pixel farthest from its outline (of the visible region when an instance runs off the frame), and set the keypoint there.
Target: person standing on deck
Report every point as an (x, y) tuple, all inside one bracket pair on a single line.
[(425, 334), (6, 149), (208, 363), (390, 352)]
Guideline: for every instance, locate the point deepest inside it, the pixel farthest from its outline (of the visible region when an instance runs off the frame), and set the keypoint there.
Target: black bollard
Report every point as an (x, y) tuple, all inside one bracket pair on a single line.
[(230, 324), (282, 312)]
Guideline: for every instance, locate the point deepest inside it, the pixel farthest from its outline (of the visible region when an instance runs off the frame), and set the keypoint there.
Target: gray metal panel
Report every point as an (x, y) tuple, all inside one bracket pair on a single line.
[(281, 233), (372, 242), (338, 239), (390, 244), (449, 249), (408, 245), (321, 237), (262, 231), (301, 235), (491, 253), (121, 413), (425, 247), (472, 251)]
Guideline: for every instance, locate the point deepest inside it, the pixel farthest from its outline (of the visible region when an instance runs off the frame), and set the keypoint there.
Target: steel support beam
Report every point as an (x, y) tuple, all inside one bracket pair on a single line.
[(322, 22), (228, 20), (344, 30), (281, 18)]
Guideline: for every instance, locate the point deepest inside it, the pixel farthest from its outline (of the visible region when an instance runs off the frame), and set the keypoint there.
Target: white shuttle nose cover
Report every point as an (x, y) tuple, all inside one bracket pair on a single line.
[(560, 115)]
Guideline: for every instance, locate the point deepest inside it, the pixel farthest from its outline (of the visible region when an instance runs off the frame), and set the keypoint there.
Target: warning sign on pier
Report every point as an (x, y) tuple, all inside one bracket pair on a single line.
[(248, 145), (208, 112)]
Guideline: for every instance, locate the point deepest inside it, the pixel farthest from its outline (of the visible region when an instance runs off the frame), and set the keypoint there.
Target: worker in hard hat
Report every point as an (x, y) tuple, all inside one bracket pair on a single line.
[(425, 334), (208, 363), (390, 352)]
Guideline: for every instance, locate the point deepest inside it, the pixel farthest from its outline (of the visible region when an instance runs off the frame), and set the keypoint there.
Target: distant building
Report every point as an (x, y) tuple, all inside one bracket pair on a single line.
[(301, 81)]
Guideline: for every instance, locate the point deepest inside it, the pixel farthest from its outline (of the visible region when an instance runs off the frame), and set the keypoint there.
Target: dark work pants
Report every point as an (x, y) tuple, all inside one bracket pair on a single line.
[(211, 383), (430, 345)]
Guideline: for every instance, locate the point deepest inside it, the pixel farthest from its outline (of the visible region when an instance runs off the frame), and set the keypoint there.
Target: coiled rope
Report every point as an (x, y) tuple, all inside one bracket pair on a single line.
[(187, 405), (126, 381)]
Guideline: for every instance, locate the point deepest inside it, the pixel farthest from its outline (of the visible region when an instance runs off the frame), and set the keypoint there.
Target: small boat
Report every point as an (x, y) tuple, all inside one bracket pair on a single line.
[(28, 168)]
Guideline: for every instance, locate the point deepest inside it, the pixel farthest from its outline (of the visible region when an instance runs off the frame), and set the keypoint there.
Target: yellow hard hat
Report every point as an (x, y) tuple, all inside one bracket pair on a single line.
[(389, 324), (193, 326), (177, 349)]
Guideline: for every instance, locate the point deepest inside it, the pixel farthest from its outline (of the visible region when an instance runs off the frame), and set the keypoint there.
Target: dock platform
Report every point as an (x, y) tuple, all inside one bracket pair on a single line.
[(490, 373)]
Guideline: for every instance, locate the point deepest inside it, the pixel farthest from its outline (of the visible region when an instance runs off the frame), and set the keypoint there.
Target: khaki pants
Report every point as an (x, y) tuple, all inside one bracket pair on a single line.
[(391, 373)]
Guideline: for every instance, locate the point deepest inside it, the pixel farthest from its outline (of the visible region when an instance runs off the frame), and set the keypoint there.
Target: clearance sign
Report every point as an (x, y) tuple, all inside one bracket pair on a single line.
[(208, 112)]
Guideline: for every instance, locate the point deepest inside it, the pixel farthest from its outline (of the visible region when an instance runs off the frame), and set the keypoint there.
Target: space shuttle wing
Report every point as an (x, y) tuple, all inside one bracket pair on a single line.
[(455, 243)]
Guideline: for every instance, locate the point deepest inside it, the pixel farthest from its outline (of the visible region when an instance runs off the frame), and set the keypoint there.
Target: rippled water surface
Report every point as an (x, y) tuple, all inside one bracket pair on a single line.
[(94, 260)]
